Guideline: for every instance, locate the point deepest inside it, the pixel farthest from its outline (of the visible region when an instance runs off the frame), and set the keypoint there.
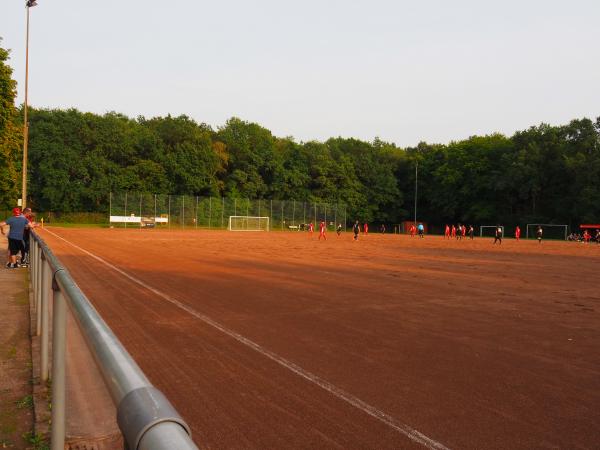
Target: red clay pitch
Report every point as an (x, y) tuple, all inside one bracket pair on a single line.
[(472, 345)]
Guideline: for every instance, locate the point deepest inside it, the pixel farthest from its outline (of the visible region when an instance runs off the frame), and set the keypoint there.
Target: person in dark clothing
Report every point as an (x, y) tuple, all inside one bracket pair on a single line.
[(498, 235), (356, 230), (17, 223)]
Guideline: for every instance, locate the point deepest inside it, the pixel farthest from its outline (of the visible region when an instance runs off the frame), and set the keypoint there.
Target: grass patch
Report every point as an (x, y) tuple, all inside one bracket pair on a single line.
[(11, 353), (25, 402), (77, 225), (36, 440)]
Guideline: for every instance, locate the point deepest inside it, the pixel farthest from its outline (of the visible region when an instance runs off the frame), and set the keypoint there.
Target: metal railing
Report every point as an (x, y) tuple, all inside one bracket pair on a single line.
[(146, 418)]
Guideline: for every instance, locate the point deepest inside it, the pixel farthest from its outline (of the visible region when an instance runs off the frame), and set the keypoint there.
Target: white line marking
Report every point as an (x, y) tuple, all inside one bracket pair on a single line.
[(406, 430)]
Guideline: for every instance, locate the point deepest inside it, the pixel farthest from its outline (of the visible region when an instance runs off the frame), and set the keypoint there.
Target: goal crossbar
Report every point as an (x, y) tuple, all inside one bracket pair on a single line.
[(248, 223)]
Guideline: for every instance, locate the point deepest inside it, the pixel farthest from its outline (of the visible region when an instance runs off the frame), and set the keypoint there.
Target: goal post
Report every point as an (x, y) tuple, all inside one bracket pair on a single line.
[(489, 230), (550, 231), (248, 223)]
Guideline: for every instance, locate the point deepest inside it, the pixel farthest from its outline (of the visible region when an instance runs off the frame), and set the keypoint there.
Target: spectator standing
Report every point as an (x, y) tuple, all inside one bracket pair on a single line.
[(17, 223)]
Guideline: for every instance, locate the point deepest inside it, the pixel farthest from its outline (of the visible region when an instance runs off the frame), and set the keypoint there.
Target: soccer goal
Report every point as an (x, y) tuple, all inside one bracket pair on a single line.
[(489, 230), (549, 231), (248, 223)]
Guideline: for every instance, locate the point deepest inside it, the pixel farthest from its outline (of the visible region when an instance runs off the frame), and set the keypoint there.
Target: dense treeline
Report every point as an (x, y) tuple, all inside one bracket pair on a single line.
[(546, 173), (10, 135), (543, 174)]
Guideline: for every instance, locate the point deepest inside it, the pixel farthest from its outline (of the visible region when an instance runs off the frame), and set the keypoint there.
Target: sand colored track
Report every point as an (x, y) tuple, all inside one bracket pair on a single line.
[(474, 346)]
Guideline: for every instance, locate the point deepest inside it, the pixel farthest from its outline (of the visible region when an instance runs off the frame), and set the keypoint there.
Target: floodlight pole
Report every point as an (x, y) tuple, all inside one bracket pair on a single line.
[(28, 5), (416, 187)]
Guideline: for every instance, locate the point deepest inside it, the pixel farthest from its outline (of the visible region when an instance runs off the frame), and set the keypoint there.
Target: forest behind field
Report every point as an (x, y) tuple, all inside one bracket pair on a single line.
[(548, 174)]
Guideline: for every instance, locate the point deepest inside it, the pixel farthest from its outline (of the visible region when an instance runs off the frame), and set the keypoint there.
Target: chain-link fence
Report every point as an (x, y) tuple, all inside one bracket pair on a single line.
[(183, 211)]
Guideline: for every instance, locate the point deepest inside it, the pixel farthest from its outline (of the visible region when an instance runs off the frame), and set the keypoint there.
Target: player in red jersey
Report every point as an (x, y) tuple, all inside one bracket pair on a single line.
[(453, 231), (586, 236), (517, 233), (366, 228), (413, 230), (311, 229), (447, 232), (322, 229), (464, 230)]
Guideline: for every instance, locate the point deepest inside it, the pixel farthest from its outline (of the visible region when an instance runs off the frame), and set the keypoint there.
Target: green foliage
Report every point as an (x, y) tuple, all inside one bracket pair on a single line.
[(10, 136), (37, 441)]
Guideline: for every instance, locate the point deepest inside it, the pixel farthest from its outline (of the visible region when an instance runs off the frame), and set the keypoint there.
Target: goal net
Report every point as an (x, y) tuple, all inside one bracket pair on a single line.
[(489, 230), (248, 223), (549, 231)]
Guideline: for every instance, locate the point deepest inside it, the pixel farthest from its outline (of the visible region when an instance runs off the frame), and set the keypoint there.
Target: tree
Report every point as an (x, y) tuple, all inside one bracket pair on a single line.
[(10, 136)]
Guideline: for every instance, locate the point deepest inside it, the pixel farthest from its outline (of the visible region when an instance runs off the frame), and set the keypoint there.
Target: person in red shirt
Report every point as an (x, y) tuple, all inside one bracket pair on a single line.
[(453, 231), (311, 229), (464, 230), (413, 230), (517, 233), (366, 228), (447, 232), (322, 229), (586, 236)]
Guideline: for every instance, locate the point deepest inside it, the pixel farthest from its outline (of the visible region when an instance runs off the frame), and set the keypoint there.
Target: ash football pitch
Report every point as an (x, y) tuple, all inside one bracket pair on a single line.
[(276, 340)]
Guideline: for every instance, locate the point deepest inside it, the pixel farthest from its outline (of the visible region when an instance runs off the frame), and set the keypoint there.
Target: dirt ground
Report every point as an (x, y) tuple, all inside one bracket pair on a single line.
[(16, 402), (277, 340)]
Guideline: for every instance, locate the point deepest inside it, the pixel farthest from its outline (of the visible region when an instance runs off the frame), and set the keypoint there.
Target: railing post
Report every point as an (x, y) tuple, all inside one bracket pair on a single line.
[(59, 335), (38, 292), (32, 263), (45, 303)]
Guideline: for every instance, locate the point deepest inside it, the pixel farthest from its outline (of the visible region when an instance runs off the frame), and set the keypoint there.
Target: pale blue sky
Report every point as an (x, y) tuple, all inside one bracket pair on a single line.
[(434, 70)]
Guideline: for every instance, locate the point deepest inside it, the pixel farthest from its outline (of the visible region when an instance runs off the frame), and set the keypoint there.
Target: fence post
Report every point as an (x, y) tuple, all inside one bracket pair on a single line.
[(125, 209), (32, 267), (335, 216), (45, 304), (59, 337), (304, 212), (345, 218), (31, 262), (109, 205), (38, 292)]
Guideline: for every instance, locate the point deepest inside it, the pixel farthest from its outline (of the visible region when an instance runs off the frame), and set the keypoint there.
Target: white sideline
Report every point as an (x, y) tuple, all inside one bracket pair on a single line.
[(406, 430)]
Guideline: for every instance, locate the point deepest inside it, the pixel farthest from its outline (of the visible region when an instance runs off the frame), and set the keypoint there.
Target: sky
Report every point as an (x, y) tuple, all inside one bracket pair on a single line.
[(405, 72)]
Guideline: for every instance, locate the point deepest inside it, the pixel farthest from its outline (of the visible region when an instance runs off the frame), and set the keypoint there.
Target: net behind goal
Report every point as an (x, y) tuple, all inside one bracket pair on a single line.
[(248, 223), (489, 230), (549, 231)]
